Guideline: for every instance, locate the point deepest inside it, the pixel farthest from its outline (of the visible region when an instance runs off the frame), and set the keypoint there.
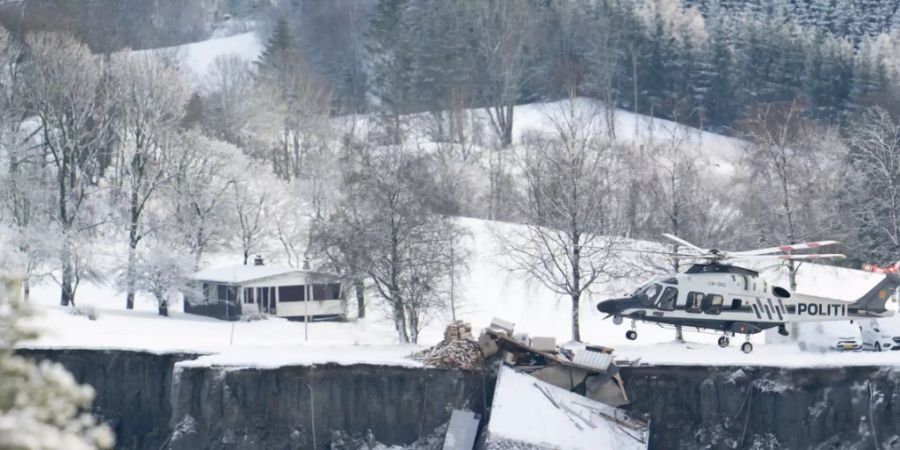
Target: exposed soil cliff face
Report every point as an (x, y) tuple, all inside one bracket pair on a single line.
[(152, 403), (132, 390), (279, 408), (768, 407)]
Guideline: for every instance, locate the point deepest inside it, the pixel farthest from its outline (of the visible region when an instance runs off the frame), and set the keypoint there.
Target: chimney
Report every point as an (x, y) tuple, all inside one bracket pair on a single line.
[(258, 261)]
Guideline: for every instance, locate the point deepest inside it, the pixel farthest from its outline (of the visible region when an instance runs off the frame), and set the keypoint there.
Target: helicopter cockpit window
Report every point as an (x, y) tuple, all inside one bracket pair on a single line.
[(694, 302), (667, 299), (652, 291), (712, 304)]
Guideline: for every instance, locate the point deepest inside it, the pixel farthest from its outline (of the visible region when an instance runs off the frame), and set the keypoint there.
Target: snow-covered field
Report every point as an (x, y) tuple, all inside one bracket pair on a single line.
[(488, 290)]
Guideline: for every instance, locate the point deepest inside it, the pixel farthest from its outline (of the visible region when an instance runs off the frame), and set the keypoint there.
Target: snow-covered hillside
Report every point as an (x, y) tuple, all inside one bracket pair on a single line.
[(196, 58), (488, 290)]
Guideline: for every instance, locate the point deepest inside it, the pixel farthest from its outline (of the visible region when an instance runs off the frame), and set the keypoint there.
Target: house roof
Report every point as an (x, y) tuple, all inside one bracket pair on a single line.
[(242, 274)]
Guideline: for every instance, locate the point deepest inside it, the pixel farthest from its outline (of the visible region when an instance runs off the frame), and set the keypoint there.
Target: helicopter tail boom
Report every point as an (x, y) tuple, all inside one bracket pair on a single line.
[(872, 303)]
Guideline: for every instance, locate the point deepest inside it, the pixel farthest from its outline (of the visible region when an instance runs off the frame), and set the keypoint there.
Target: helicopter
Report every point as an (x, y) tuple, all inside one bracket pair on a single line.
[(724, 298)]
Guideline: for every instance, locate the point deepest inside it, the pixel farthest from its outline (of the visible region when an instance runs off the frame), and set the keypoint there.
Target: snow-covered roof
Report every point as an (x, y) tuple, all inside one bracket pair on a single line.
[(243, 273)]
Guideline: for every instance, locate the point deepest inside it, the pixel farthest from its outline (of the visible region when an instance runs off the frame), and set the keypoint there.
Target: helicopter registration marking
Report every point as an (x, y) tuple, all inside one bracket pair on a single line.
[(818, 309)]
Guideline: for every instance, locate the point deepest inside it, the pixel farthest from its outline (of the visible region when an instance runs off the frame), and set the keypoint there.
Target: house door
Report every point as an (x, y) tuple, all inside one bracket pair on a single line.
[(264, 299)]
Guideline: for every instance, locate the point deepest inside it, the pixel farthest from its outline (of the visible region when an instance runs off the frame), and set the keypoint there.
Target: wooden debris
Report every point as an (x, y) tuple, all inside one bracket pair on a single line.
[(458, 350)]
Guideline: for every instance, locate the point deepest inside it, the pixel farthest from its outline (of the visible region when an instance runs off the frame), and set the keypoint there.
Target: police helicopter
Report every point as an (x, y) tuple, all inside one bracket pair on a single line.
[(727, 299)]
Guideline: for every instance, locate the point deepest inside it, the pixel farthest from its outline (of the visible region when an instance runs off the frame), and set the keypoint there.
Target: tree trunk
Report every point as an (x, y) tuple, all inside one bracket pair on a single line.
[(67, 294), (400, 322), (508, 127), (576, 327), (129, 274), (164, 308), (359, 287)]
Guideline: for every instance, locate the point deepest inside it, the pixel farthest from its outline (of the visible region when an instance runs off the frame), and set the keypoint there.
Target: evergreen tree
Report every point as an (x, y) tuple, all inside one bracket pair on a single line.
[(280, 53), (391, 52)]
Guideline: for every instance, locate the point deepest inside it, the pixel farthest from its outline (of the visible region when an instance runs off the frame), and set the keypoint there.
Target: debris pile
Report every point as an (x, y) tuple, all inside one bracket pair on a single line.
[(458, 350)]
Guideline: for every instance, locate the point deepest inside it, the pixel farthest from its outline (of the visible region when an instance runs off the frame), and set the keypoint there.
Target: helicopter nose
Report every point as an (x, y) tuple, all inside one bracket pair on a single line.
[(611, 306)]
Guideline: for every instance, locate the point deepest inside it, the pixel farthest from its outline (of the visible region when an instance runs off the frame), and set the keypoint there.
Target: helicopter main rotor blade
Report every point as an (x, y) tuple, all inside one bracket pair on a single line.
[(684, 242), (793, 257), (812, 256), (654, 252), (784, 248)]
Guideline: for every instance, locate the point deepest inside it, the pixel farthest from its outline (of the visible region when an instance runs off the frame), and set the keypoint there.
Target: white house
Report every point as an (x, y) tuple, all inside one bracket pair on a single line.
[(229, 292)]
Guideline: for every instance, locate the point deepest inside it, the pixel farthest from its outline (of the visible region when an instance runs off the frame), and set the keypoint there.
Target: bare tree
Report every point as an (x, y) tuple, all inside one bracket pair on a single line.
[(230, 98), (674, 184), (62, 84), (251, 201), (570, 208), (25, 180), (789, 167), (399, 243), (871, 187), (201, 192), (150, 98), (504, 33)]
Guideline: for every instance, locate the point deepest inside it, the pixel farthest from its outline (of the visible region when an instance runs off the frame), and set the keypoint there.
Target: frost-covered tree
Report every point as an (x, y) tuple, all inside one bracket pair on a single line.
[(230, 99), (41, 404), (161, 270), (25, 181), (570, 207), (201, 193), (871, 187), (504, 34), (251, 206), (399, 244), (62, 83), (789, 174), (149, 99)]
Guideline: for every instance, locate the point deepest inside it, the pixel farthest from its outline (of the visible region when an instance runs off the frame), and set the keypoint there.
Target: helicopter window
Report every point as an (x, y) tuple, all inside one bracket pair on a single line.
[(652, 291), (667, 299), (694, 302), (736, 304), (712, 304)]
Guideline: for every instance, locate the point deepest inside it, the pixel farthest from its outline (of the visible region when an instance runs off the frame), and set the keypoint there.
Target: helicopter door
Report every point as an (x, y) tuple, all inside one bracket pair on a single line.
[(667, 300)]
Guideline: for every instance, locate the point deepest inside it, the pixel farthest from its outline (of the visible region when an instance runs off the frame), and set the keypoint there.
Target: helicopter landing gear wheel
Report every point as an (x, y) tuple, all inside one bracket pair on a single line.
[(618, 320), (631, 335), (724, 341), (746, 347)]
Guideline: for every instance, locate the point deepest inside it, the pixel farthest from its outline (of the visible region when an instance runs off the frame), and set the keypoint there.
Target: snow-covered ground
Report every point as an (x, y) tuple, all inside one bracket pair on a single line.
[(197, 58), (488, 290), (521, 413)]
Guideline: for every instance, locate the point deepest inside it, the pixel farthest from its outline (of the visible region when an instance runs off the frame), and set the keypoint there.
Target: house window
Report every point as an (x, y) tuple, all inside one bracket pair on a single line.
[(206, 289), (226, 293), (291, 293), (694, 302), (248, 296), (326, 291), (667, 299), (713, 304)]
